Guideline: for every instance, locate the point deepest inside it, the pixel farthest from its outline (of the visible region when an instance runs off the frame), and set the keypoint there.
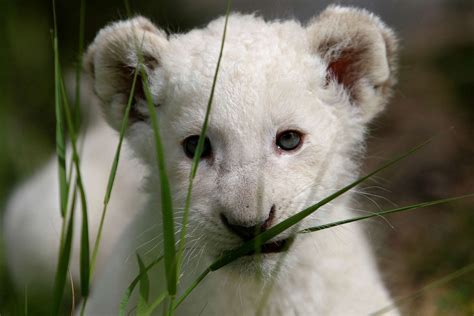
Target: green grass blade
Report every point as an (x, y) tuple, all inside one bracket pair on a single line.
[(113, 173), (200, 145), (63, 259), (191, 288), (399, 301), (385, 212), (203, 308), (84, 257), (248, 247), (128, 10), (60, 129), (76, 120), (65, 109), (156, 303), (77, 99), (66, 229), (76, 110), (144, 288), (166, 200), (133, 284)]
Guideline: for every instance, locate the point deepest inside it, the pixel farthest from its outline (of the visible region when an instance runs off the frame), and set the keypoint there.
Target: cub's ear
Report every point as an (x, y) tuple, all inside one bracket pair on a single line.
[(111, 61), (360, 52)]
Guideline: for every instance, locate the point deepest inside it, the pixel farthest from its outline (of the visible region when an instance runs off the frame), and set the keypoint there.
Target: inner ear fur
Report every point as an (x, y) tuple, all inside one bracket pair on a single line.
[(111, 61), (360, 54)]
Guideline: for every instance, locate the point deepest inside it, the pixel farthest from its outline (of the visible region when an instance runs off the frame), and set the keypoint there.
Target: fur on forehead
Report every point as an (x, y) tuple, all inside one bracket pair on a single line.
[(264, 65), (344, 57)]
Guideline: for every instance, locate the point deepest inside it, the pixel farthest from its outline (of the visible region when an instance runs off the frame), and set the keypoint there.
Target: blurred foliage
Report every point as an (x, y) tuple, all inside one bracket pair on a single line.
[(453, 62)]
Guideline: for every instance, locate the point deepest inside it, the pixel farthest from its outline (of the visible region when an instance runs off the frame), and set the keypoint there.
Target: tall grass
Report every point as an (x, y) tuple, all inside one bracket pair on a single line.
[(142, 305), (66, 231), (134, 283), (113, 171), (60, 128), (85, 259), (200, 145), (63, 113), (166, 199), (172, 255), (80, 52)]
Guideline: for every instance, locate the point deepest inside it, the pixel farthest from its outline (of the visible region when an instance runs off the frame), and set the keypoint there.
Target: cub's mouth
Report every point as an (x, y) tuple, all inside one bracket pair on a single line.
[(273, 247)]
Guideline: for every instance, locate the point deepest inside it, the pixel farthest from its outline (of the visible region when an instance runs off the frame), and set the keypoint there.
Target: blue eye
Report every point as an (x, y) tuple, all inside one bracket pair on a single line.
[(289, 140), (190, 146)]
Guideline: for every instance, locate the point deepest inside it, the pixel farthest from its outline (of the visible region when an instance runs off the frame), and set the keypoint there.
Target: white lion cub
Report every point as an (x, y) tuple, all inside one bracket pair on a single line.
[(286, 129)]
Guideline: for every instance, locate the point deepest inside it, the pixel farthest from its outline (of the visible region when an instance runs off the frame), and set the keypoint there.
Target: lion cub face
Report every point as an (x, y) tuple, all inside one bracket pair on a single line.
[(287, 121)]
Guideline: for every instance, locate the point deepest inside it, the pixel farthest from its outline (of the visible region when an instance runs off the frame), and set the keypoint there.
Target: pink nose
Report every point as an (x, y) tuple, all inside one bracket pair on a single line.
[(249, 232)]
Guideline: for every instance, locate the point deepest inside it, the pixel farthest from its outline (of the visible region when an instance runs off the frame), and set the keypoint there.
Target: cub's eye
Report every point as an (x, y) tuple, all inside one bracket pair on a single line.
[(190, 146), (289, 140)]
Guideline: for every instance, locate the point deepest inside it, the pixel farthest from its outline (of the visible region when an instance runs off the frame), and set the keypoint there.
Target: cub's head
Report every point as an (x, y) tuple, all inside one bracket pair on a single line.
[(288, 116)]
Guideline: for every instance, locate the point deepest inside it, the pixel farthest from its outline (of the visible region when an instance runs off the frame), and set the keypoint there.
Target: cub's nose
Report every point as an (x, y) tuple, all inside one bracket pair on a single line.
[(249, 232)]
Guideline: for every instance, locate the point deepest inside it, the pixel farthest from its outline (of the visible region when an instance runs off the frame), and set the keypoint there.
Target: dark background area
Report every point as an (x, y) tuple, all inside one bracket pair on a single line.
[(435, 96)]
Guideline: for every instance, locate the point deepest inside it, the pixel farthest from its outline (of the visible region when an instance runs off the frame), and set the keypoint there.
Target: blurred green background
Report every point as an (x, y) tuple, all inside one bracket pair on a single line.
[(435, 94)]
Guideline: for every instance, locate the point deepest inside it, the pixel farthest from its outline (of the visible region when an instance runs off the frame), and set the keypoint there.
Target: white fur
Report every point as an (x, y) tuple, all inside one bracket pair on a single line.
[(273, 78), (32, 222)]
